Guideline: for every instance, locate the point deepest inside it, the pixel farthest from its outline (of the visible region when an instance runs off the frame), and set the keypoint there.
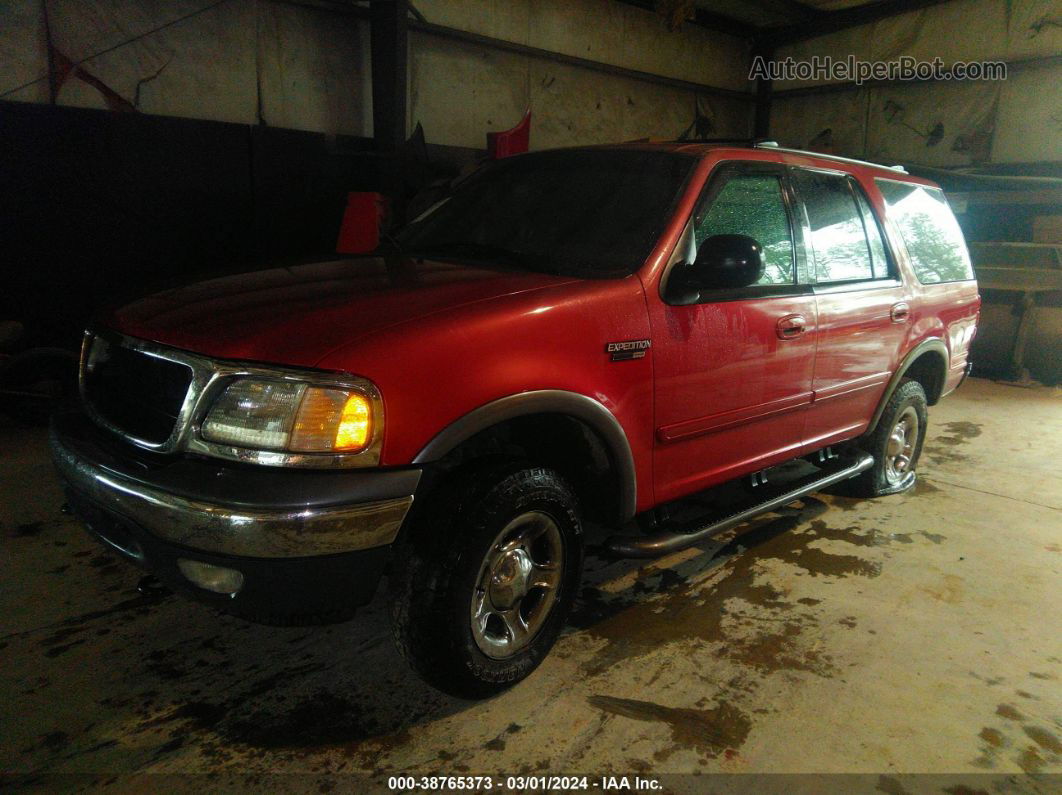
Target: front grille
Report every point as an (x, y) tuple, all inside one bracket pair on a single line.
[(138, 394)]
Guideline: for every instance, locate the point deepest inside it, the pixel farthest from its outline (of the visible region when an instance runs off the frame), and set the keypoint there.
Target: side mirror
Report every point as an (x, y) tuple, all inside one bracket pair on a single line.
[(723, 261)]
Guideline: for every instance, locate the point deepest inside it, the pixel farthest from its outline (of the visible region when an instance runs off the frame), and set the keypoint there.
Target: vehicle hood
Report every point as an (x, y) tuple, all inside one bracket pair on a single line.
[(297, 315)]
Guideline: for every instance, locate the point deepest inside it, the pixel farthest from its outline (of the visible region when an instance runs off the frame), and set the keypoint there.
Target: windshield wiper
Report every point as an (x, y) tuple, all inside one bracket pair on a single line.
[(389, 245)]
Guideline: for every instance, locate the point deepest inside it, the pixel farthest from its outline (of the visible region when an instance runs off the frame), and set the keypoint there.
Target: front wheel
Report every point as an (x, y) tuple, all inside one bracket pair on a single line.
[(487, 579), (896, 444)]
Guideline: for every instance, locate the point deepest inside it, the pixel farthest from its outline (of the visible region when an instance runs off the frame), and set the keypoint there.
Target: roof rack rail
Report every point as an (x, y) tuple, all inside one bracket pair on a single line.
[(774, 145), (735, 141)]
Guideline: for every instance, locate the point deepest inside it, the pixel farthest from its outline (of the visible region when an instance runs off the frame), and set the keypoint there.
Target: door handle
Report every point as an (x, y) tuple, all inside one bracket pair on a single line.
[(900, 312), (791, 326)]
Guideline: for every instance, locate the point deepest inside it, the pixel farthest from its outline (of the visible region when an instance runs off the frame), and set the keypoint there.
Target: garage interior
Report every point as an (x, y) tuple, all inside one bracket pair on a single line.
[(146, 145)]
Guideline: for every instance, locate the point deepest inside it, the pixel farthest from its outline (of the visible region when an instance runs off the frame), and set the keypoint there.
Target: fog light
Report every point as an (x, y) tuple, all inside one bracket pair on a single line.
[(213, 578)]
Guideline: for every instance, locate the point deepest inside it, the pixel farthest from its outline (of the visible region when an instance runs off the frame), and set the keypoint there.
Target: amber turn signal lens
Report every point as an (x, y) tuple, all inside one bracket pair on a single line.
[(332, 420), (355, 424)]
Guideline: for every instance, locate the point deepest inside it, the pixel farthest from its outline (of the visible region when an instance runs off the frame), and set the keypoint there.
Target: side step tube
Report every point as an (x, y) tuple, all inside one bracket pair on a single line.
[(658, 544)]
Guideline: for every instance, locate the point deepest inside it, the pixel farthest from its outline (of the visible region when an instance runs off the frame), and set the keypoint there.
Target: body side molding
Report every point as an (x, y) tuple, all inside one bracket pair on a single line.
[(546, 401), (932, 344)]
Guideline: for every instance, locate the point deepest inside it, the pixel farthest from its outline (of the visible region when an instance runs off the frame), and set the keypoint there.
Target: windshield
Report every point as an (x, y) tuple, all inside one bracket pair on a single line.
[(589, 213)]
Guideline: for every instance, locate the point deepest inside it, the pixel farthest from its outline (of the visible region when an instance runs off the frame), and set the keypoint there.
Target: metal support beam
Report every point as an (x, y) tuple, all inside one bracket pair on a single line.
[(479, 40), (761, 123), (705, 19), (388, 21), (795, 8)]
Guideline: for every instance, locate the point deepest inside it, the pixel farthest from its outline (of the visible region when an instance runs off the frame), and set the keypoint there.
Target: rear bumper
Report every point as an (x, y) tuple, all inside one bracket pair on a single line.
[(309, 545)]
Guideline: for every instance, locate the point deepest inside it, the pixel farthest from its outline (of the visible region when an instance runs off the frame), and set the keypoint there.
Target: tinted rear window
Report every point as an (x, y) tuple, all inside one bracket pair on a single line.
[(578, 212), (932, 235)]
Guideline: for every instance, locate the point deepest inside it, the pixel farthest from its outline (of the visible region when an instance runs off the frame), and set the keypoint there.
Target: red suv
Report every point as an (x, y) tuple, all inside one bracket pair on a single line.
[(572, 338)]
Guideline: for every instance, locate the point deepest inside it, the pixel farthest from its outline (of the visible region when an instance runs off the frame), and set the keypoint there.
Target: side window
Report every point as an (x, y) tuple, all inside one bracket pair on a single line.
[(837, 240), (933, 237), (878, 259), (752, 204)]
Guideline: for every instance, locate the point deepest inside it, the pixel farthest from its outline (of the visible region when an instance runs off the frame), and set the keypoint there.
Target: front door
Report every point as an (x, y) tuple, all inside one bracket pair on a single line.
[(733, 372)]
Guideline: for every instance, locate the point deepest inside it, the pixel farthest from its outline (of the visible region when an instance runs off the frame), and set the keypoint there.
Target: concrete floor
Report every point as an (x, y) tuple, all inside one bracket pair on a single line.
[(913, 634)]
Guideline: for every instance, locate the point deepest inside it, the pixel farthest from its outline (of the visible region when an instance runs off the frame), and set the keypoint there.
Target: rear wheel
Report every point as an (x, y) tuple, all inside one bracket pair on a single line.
[(896, 444), (487, 579)]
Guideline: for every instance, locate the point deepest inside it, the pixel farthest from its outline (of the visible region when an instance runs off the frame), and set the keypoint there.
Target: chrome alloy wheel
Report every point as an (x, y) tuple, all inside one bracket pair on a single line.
[(900, 446), (517, 585)]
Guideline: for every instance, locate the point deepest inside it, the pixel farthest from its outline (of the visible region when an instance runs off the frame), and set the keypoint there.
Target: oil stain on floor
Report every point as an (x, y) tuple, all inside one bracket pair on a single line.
[(943, 448), (1034, 747), (709, 731), (729, 605), (725, 608)]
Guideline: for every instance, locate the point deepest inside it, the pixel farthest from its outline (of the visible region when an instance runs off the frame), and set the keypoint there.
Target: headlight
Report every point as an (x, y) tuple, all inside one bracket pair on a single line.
[(292, 416)]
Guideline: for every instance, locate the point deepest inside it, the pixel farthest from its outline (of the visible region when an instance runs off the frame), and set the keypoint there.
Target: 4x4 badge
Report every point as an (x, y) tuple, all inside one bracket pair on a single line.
[(631, 349)]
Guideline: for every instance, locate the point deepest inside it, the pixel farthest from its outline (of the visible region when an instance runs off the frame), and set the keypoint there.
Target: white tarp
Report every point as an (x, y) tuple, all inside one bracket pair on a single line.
[(300, 67), (941, 123)]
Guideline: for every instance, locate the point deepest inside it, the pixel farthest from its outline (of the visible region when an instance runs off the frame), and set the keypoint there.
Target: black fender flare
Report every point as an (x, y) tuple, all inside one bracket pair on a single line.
[(546, 401), (935, 344)]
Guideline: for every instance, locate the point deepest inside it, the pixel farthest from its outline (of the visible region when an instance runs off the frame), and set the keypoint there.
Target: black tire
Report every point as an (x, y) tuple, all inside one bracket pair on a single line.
[(441, 563), (908, 399)]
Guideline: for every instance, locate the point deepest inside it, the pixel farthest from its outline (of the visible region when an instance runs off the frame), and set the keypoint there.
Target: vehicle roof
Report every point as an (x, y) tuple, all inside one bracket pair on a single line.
[(766, 151)]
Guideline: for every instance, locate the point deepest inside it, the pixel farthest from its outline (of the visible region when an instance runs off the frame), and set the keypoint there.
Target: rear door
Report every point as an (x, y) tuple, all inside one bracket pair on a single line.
[(733, 372), (862, 305)]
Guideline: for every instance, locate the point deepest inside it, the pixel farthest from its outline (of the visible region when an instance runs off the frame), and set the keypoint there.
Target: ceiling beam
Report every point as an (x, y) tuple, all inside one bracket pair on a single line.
[(722, 24), (706, 19), (480, 40), (790, 8), (833, 21)]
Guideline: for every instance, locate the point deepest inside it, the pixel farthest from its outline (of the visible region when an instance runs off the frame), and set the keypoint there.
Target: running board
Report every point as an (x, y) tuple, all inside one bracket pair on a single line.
[(657, 544)]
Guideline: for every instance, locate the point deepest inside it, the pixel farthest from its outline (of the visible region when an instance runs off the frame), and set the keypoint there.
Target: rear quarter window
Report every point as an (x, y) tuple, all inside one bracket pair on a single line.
[(932, 235)]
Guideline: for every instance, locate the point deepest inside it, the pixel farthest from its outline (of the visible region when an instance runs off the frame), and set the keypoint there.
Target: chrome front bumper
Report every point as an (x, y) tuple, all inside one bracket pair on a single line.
[(235, 511)]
